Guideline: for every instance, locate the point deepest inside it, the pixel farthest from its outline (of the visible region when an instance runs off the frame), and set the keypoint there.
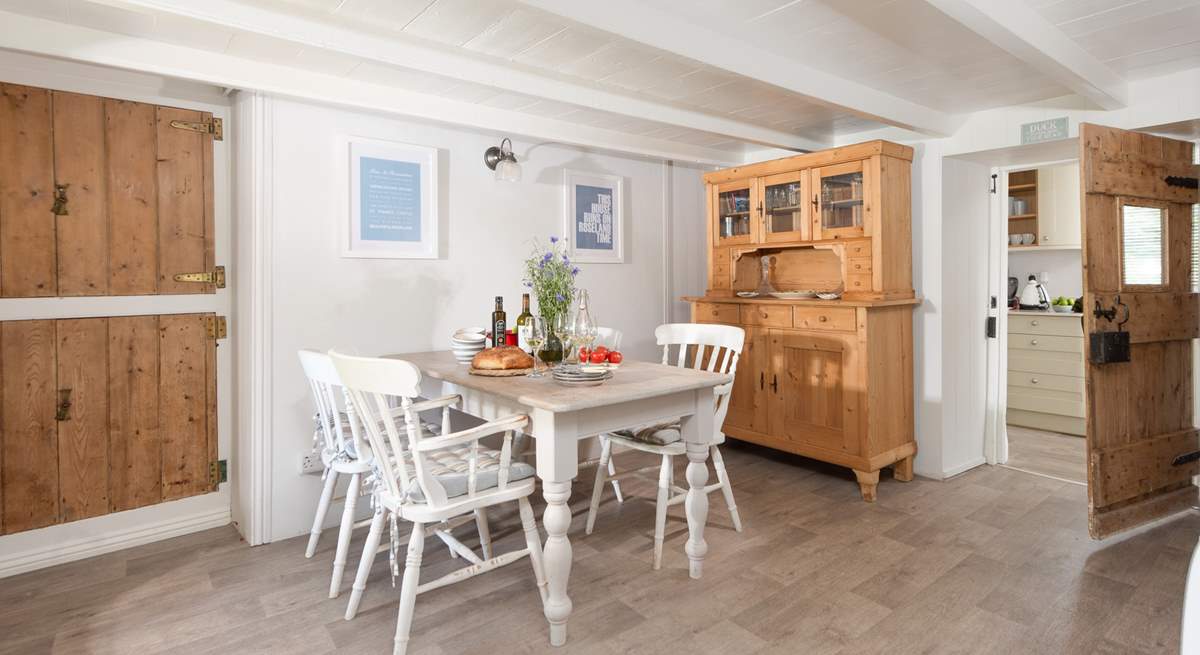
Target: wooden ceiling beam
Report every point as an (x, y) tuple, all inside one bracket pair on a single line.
[(673, 33), (1021, 31)]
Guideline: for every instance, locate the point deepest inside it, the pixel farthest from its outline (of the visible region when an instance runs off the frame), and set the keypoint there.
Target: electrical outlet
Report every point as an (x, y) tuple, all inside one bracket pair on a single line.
[(311, 463)]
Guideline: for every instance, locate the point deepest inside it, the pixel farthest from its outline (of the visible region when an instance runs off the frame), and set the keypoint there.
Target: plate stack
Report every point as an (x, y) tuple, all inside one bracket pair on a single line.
[(573, 376), (466, 342)]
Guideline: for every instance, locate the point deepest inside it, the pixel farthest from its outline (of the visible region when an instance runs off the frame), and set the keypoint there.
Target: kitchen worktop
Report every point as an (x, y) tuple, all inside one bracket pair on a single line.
[(1041, 312), (816, 302)]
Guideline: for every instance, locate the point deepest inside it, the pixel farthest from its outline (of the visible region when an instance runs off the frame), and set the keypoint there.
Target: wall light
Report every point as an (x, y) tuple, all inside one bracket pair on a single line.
[(500, 159)]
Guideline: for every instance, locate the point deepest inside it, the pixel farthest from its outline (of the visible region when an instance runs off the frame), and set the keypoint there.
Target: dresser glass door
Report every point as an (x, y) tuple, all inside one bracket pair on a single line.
[(734, 215), (783, 202), (842, 201)]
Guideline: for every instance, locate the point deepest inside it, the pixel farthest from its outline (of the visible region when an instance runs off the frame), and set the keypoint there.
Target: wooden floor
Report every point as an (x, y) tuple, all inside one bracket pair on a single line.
[(1062, 456), (993, 561)]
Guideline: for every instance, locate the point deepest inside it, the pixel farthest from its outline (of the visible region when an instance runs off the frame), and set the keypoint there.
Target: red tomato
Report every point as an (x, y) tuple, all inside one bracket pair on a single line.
[(598, 358), (584, 353), (601, 349), (615, 357)]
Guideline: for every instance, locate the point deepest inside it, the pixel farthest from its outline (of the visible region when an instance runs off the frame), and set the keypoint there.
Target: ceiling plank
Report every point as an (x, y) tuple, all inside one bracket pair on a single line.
[(39, 36), (461, 65), (1021, 31), (638, 21)]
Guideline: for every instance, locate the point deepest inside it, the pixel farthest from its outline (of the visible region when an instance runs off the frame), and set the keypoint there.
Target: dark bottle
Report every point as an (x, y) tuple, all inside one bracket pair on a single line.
[(499, 323)]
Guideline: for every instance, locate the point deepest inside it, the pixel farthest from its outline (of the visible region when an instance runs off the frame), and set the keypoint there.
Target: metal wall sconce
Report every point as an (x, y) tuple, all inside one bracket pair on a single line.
[(501, 159)]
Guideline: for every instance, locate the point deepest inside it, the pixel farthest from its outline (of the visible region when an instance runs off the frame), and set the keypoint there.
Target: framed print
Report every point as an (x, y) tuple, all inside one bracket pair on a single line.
[(593, 217), (392, 200)]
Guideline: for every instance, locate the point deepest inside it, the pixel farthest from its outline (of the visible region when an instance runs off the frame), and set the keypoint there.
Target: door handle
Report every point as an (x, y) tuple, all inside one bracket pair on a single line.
[(1033, 342), (774, 383), (64, 405), (60, 200)]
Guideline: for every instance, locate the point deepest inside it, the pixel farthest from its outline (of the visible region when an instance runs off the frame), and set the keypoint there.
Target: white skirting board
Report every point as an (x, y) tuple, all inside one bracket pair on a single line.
[(58, 544)]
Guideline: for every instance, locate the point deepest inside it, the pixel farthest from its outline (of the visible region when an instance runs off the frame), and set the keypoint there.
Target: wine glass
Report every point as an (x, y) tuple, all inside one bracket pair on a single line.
[(536, 339), (564, 329)]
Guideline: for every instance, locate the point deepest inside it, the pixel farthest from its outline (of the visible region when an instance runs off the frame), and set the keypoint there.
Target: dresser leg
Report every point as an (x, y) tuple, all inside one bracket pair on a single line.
[(867, 482), (903, 469)]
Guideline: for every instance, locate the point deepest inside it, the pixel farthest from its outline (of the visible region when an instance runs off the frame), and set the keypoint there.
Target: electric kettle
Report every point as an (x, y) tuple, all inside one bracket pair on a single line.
[(1034, 295)]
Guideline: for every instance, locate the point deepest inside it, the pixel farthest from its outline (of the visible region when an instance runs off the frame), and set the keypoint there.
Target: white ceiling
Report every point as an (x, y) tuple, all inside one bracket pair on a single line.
[(888, 57)]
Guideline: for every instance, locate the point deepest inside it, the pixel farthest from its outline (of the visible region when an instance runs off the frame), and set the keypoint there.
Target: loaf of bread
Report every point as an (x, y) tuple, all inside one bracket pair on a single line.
[(502, 358)]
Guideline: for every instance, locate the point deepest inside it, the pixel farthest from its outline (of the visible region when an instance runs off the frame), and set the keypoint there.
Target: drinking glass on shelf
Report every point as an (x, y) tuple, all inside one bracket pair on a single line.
[(536, 339)]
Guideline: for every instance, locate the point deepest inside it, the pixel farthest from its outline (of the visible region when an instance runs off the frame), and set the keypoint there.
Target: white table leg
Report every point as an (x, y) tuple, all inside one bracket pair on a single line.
[(556, 438), (697, 433), (557, 556), (695, 506)]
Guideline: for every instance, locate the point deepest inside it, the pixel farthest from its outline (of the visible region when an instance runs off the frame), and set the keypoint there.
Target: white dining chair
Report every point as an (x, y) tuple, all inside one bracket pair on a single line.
[(432, 479), (343, 453), (608, 337), (713, 348)]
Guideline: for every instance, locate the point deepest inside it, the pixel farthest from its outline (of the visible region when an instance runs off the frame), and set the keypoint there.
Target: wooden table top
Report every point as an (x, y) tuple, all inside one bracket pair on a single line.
[(632, 381)]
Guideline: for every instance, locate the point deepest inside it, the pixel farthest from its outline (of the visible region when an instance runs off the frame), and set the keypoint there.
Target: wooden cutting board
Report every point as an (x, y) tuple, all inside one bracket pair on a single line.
[(509, 373)]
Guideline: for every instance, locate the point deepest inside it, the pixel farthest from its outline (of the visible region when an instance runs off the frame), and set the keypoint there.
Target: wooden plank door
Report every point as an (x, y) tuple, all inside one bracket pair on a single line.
[(748, 400), (1138, 192), (140, 426), (28, 256)]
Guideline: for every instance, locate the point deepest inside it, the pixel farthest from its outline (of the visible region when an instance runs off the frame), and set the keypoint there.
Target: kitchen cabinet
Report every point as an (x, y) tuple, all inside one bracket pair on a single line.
[(1046, 372), (784, 203), (735, 215), (748, 400), (1058, 220), (840, 200)]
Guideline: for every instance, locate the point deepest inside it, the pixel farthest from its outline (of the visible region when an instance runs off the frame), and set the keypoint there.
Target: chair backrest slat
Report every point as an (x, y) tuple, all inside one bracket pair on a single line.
[(326, 386)]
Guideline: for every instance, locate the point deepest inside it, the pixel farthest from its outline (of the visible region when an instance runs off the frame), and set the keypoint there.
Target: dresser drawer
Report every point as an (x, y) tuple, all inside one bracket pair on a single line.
[(1042, 342), (1051, 402), (1067, 325), (1050, 362), (836, 319), (859, 282), (720, 269), (715, 312), (767, 315), (1048, 381), (857, 249), (858, 266)]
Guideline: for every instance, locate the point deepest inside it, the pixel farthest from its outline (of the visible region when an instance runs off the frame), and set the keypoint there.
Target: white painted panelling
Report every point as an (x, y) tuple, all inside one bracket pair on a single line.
[(396, 14), (263, 48), (1138, 38), (133, 22), (320, 60), (564, 48), (519, 30), (457, 21), (191, 33)]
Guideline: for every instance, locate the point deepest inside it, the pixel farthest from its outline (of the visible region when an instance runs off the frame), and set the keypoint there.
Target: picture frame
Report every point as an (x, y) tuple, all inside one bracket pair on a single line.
[(594, 217), (391, 200)]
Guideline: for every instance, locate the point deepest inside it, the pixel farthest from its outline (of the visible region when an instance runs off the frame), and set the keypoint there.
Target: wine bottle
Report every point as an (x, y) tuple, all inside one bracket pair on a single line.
[(523, 325), (499, 323)]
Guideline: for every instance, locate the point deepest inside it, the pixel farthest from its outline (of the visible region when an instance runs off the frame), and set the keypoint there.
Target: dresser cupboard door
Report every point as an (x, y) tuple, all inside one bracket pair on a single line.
[(815, 383), (735, 212), (748, 402), (784, 204), (840, 200)]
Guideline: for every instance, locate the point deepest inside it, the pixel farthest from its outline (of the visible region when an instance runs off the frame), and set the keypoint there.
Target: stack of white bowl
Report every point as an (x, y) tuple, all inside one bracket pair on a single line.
[(466, 342)]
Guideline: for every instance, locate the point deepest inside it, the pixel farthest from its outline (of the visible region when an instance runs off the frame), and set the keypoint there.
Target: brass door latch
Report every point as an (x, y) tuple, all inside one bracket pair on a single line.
[(60, 200), (64, 405), (215, 277)]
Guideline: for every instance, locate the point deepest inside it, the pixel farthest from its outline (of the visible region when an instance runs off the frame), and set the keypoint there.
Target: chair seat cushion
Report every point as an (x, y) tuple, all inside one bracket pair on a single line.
[(451, 468), (659, 434)]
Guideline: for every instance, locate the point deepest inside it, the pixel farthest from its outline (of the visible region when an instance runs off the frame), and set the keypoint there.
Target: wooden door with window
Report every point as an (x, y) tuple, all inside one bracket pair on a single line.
[(105, 197), (1138, 191)]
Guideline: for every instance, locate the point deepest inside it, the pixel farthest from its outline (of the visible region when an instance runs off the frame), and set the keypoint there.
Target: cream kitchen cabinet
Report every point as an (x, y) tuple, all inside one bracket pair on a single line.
[(1045, 372), (1058, 218)]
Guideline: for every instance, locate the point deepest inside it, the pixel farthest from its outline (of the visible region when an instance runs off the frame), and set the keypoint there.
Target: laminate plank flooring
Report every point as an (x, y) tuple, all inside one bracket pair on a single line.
[(1057, 455), (992, 561)]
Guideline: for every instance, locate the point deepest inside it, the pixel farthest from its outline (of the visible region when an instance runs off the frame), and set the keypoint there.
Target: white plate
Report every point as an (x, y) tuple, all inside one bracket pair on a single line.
[(747, 294), (794, 295), (829, 296)]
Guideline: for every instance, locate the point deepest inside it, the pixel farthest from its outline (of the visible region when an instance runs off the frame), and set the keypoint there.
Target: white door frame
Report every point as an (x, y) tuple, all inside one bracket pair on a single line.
[(995, 438)]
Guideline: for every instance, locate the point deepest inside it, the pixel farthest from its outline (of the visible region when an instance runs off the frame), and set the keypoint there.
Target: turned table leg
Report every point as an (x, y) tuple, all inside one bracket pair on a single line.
[(696, 507), (867, 482), (903, 469), (557, 558)]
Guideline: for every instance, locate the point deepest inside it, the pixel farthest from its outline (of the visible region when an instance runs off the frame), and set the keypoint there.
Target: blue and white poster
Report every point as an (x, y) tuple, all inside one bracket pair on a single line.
[(392, 200), (593, 217)]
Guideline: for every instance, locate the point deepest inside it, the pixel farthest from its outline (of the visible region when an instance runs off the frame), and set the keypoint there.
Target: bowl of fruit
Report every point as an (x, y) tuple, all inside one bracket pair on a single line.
[(1063, 304), (599, 359)]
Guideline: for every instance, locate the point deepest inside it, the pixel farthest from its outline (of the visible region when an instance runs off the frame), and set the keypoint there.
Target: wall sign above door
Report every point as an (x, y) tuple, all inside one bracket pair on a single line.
[(1047, 130)]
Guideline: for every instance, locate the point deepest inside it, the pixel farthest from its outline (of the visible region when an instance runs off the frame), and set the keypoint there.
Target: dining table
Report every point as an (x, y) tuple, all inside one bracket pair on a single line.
[(639, 393)]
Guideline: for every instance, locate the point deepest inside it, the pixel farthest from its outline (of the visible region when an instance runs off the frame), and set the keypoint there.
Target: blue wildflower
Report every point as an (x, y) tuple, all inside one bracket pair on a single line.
[(565, 260), (547, 257), (575, 271), (553, 239), (559, 297), (528, 284)]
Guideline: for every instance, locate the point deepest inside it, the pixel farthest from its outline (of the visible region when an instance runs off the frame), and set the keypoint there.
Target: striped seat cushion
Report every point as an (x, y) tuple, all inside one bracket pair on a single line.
[(659, 434)]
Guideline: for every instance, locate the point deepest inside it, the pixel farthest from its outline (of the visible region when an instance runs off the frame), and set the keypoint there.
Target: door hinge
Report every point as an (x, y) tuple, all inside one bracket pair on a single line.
[(215, 277), (994, 176), (218, 327), (215, 127), (218, 471)]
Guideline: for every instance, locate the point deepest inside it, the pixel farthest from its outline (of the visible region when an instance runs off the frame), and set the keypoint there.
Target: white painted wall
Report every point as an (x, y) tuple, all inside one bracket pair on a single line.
[(320, 300), (1064, 269)]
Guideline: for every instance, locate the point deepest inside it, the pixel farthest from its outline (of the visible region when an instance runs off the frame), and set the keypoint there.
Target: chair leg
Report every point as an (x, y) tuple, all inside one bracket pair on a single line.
[(343, 545), (612, 472), (660, 509), (366, 562), (408, 588), (533, 541), (322, 509), (485, 534), (726, 488), (598, 485)]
